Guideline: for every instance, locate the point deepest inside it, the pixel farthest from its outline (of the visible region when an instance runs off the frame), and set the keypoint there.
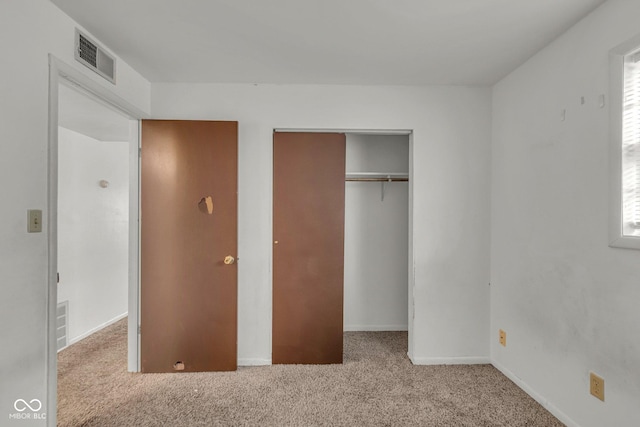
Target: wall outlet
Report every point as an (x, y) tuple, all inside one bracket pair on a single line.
[(503, 338), (596, 386)]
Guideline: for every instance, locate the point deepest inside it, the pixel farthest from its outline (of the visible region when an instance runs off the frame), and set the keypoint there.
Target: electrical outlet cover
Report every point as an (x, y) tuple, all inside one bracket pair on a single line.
[(596, 386)]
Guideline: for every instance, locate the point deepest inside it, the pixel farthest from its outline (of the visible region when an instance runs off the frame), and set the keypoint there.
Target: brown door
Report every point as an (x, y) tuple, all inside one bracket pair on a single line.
[(308, 247), (188, 228)]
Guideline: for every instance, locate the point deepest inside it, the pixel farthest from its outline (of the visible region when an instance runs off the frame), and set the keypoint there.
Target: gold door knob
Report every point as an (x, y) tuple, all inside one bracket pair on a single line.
[(228, 260)]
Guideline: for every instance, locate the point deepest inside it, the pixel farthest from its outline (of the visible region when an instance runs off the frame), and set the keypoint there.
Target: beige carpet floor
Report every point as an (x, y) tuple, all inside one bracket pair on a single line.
[(376, 386)]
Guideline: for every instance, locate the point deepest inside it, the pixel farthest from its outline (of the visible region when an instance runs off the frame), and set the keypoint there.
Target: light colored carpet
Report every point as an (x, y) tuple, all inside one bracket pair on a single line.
[(376, 386)]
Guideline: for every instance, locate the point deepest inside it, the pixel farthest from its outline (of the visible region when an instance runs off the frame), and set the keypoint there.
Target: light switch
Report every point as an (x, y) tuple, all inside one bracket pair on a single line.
[(34, 224)]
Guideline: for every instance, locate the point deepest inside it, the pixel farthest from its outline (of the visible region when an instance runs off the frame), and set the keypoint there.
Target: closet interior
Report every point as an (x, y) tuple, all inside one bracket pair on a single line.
[(376, 232)]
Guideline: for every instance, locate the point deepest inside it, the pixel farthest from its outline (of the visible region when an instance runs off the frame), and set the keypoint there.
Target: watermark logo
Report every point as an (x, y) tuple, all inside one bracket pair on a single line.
[(21, 405), (27, 410)]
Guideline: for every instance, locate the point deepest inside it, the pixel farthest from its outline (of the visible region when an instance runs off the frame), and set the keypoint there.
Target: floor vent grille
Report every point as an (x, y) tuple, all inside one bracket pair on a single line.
[(62, 317)]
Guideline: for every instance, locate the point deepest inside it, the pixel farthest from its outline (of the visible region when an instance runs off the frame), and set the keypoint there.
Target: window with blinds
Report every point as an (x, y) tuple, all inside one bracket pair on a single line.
[(631, 147)]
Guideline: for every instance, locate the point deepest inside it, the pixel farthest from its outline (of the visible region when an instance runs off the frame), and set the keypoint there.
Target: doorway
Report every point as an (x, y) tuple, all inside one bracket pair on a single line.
[(93, 216), (61, 74)]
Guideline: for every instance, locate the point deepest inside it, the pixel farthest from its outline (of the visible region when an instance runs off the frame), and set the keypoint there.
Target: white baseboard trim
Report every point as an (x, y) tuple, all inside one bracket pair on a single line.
[(564, 418), (97, 328), (374, 328), (254, 362), (450, 360)]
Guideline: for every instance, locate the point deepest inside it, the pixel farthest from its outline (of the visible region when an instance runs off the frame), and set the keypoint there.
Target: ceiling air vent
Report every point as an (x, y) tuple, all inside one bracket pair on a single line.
[(95, 57)]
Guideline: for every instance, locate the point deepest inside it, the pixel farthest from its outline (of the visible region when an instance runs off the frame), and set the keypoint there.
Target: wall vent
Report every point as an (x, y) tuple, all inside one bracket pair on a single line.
[(62, 320), (93, 56)]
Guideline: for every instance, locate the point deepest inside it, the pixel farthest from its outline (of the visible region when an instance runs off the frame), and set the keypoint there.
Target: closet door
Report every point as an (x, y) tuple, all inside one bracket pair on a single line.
[(308, 247)]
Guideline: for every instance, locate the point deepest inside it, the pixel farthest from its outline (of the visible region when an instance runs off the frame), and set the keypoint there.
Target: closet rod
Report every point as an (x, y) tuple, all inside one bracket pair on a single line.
[(377, 179)]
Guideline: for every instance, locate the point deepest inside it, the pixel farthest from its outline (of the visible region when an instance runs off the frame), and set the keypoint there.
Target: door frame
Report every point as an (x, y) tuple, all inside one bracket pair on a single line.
[(410, 258), (62, 73)]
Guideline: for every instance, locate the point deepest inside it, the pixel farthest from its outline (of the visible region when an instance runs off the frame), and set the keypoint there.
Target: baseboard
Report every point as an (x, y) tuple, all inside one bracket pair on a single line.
[(254, 362), (450, 360), (96, 329), (564, 418), (374, 328)]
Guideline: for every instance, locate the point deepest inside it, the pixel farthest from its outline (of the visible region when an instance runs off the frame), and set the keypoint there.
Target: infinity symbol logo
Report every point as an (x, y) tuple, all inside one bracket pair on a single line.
[(21, 405)]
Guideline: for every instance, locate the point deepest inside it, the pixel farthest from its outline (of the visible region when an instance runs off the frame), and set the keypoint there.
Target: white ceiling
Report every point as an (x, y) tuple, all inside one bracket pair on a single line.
[(406, 42), (88, 117)]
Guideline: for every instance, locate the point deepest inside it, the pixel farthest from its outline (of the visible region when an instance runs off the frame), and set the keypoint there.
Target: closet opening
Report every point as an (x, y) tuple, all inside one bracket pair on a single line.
[(350, 190), (376, 247)]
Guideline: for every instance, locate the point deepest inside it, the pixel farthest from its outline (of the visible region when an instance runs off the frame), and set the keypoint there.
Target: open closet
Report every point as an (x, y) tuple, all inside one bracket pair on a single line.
[(340, 249), (376, 232)]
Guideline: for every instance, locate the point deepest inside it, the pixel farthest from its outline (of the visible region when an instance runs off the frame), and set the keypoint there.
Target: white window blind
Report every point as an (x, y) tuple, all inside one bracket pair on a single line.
[(631, 147)]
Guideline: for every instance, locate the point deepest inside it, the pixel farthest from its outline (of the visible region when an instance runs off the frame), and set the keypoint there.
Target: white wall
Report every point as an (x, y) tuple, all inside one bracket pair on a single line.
[(93, 231), (568, 302), (29, 31), (451, 156), (376, 236)]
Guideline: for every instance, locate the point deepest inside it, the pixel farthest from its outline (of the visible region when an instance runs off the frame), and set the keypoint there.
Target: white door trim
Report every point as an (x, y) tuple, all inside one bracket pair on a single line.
[(62, 73)]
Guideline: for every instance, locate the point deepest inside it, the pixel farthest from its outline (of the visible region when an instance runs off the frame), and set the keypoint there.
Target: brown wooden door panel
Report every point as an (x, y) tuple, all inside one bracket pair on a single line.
[(188, 295), (308, 248)]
